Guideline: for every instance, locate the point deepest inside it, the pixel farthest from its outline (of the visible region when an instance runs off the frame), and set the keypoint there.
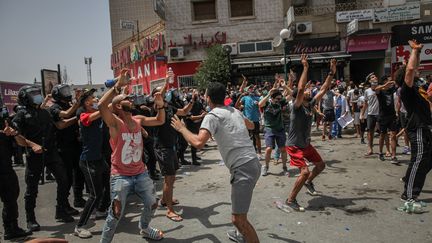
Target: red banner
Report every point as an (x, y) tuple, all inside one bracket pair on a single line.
[(368, 42)]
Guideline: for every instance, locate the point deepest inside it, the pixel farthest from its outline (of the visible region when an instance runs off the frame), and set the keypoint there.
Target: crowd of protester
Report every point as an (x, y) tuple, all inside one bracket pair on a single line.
[(119, 144)]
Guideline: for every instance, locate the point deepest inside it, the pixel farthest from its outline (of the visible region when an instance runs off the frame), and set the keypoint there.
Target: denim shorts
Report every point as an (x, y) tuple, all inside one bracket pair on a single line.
[(273, 138)]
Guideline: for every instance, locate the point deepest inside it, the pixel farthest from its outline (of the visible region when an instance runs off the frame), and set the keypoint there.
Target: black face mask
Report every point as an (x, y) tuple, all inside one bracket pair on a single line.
[(127, 108)]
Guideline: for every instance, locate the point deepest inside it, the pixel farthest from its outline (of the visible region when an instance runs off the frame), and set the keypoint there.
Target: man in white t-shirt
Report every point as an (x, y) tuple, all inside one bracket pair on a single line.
[(370, 109)]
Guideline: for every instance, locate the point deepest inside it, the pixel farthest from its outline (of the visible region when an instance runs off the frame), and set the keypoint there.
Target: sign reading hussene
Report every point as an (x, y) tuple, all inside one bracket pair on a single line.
[(318, 45)]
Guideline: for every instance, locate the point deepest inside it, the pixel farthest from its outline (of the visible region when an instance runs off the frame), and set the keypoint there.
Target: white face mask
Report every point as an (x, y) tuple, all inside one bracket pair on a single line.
[(95, 106)]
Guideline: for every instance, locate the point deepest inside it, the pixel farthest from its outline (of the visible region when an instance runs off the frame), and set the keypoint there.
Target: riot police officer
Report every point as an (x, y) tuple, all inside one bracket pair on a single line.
[(67, 139), (38, 128), (9, 187)]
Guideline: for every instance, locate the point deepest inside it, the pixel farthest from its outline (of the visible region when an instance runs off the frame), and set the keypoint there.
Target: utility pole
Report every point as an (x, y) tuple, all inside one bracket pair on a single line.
[(88, 62)]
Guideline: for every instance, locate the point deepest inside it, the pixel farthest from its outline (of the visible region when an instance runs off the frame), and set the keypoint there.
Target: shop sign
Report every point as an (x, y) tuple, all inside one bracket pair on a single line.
[(348, 16), (397, 13), (401, 53), (352, 27), (201, 41), (145, 71), (403, 33), (9, 94), (318, 45), (368, 43), (144, 48)]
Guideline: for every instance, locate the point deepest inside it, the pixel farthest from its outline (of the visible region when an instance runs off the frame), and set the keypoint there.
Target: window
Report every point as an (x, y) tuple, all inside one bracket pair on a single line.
[(187, 81), (203, 10), (264, 46), (253, 47), (241, 8)]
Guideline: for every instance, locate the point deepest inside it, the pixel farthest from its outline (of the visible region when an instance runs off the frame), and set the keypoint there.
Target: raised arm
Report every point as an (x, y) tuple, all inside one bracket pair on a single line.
[(160, 117), (264, 100), (244, 84), (328, 81), (185, 110), (165, 87), (106, 99), (412, 62), (302, 82)]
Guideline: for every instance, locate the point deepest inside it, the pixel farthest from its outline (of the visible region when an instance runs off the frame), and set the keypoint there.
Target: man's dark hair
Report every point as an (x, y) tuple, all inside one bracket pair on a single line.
[(216, 93), (276, 94)]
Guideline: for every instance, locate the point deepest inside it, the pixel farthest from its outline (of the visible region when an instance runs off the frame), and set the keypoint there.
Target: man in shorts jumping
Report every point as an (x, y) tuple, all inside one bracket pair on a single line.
[(299, 147)]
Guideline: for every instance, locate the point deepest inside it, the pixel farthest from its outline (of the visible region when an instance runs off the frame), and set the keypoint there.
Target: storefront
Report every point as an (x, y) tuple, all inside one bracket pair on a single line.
[(146, 61), (368, 54), (401, 50), (320, 52)]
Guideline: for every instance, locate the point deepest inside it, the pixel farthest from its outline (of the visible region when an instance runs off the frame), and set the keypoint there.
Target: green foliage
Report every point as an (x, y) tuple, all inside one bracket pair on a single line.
[(215, 68)]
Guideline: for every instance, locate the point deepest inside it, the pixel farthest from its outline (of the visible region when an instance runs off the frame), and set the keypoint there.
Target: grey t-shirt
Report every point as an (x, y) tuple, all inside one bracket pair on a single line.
[(227, 126), (373, 104), (300, 127), (327, 100)]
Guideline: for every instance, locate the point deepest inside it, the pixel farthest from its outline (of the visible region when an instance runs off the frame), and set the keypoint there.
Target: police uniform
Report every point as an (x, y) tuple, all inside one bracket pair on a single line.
[(69, 149), (37, 125), (9, 189)]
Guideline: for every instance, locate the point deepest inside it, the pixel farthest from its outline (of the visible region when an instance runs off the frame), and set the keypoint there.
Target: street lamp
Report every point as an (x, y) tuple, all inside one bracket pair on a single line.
[(285, 35)]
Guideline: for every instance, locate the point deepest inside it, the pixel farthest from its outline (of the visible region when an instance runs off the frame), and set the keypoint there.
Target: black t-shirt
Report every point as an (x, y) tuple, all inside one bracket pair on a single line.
[(67, 138), (6, 154), (165, 135), (386, 103), (197, 109), (419, 114), (37, 126), (299, 133)]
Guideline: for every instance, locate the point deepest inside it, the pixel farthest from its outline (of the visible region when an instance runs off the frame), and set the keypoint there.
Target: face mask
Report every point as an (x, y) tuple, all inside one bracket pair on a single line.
[(168, 97), (208, 109), (95, 106), (37, 99)]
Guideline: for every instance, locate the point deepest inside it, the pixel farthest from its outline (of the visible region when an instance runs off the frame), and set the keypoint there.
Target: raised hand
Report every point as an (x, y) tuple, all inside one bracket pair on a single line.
[(333, 64), (177, 124), (304, 60), (158, 100), (415, 45), (123, 78)]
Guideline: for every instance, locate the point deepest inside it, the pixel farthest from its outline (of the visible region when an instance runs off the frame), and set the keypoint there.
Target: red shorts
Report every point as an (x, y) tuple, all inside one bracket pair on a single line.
[(298, 155)]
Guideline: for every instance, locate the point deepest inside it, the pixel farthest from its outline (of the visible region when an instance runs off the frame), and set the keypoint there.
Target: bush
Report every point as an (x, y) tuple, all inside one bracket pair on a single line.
[(215, 68)]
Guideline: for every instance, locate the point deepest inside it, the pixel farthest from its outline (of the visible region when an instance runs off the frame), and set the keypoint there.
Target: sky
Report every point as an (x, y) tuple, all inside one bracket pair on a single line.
[(40, 34)]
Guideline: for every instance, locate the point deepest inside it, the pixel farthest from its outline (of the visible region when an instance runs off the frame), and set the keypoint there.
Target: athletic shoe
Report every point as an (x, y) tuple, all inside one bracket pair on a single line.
[(259, 156), (311, 188), (79, 202), (381, 157), (404, 198), (264, 170), (406, 150), (362, 141), (82, 233), (285, 170), (295, 206), (72, 211), (99, 215), (394, 161), (235, 236)]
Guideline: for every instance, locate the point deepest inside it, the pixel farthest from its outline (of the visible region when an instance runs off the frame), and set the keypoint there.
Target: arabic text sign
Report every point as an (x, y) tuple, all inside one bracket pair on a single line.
[(348, 16), (398, 13)]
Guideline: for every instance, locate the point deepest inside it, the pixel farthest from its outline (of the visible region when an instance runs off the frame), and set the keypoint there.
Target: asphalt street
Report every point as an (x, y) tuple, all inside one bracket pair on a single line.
[(357, 203)]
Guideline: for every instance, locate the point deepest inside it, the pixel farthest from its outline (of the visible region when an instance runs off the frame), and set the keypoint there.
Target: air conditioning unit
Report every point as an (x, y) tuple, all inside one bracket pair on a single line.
[(230, 48), (176, 53), (303, 28)]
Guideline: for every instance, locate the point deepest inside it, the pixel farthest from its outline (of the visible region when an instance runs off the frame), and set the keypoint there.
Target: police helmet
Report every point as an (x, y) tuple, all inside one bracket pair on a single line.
[(61, 92)]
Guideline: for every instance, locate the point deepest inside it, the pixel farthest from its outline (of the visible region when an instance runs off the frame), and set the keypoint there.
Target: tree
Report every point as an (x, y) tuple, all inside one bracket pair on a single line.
[(215, 68)]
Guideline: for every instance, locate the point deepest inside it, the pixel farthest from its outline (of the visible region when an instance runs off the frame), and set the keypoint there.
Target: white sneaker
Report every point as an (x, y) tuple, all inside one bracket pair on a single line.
[(82, 233), (264, 170)]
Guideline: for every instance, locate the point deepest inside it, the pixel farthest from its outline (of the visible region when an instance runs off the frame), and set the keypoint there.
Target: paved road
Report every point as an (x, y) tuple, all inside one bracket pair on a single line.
[(358, 204)]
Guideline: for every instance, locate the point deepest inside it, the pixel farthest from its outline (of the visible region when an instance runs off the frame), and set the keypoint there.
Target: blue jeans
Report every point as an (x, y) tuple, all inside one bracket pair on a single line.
[(121, 188), (337, 129)]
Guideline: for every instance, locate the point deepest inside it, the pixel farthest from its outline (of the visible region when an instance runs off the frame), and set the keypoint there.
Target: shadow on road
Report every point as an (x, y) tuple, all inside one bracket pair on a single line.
[(281, 239), (320, 203), (202, 214)]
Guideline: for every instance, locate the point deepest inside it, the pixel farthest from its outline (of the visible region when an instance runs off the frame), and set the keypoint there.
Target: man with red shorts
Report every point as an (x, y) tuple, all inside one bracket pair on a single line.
[(299, 147)]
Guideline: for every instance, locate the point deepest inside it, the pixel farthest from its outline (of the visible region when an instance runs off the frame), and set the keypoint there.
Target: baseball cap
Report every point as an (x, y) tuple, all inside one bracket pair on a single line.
[(121, 97), (87, 93)]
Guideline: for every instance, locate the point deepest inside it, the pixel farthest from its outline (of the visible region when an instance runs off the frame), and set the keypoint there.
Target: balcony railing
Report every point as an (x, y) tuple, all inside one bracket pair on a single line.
[(332, 8)]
